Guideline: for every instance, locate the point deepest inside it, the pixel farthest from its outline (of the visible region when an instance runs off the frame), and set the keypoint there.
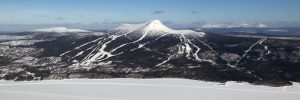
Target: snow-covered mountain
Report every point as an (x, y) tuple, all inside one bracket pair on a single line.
[(236, 25), (152, 26), (151, 50), (155, 27), (59, 30), (129, 38), (212, 26), (208, 26), (261, 25)]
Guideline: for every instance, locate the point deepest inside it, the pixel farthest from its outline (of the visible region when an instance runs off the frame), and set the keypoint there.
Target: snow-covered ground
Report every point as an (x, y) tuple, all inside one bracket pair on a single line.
[(142, 89), (21, 42), (12, 37)]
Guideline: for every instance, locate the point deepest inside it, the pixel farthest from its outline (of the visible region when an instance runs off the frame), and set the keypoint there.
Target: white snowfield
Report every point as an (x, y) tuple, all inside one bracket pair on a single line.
[(59, 30), (12, 37), (142, 89)]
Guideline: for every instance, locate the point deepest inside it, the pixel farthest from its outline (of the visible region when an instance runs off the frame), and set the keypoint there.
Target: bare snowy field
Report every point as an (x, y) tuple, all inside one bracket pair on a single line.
[(142, 89), (12, 37)]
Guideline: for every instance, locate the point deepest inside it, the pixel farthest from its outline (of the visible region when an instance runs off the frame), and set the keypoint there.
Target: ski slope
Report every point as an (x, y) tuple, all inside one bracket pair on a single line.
[(142, 89)]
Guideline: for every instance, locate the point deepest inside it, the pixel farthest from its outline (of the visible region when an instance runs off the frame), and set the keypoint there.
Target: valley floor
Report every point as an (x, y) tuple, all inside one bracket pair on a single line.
[(142, 89)]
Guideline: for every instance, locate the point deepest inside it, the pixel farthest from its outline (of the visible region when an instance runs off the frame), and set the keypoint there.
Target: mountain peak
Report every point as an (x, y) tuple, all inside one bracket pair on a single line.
[(156, 26), (153, 26), (261, 25), (155, 21)]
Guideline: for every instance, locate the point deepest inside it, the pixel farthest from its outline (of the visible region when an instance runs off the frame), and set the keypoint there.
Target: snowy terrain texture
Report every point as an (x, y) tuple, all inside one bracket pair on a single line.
[(142, 89)]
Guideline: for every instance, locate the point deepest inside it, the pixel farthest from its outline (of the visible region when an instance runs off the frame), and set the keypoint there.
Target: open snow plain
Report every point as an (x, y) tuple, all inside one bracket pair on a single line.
[(142, 89)]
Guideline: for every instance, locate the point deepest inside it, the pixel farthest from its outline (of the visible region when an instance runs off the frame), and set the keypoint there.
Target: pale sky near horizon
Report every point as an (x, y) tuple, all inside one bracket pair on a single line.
[(103, 14)]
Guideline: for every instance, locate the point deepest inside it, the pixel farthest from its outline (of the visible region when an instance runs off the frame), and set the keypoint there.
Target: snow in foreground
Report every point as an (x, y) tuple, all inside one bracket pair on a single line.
[(142, 89)]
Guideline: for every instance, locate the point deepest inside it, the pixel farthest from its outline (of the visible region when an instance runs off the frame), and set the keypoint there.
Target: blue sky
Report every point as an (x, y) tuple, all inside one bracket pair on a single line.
[(104, 14)]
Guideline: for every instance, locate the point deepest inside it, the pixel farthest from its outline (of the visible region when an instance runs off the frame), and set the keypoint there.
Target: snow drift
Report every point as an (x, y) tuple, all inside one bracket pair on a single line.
[(146, 89)]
